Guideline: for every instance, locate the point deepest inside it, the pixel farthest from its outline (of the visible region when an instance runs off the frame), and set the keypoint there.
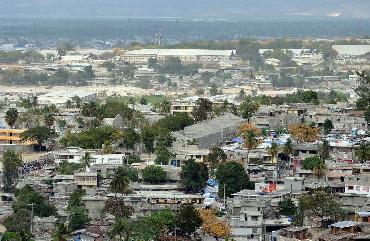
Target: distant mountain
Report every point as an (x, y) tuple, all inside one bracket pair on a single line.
[(186, 8)]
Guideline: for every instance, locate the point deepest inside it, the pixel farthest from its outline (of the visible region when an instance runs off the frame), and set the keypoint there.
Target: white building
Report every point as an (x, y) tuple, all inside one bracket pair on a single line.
[(351, 50), (204, 56), (110, 159)]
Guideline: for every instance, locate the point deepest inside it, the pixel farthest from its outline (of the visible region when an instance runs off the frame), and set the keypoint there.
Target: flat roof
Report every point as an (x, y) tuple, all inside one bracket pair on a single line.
[(181, 52)]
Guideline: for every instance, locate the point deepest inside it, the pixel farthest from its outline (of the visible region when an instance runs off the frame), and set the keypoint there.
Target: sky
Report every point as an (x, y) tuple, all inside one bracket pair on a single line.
[(186, 8)]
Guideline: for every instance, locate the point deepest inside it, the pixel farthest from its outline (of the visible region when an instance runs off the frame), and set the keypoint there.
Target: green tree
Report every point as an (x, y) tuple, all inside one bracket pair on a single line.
[(362, 152), (26, 196), (310, 163), (274, 151), (288, 148), (67, 168), (215, 156), (327, 126), (194, 176), (11, 162), (154, 174), (320, 203), (78, 218), (148, 136), (188, 219), (40, 134), (287, 207), (233, 178), (75, 199), (164, 142), (202, 109), (131, 138), (49, 120), (117, 207), (19, 221), (11, 117), (122, 228), (120, 181), (64, 48), (325, 150), (248, 108), (61, 233)]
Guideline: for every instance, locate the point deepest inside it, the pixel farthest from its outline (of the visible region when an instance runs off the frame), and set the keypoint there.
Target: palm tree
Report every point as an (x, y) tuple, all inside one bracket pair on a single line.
[(274, 151), (319, 170), (120, 181), (250, 140), (121, 228), (11, 117), (61, 233), (86, 160), (362, 152), (288, 149)]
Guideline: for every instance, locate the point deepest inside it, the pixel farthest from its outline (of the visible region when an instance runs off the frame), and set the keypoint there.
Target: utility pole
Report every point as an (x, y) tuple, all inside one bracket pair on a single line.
[(225, 196), (174, 197), (31, 227)]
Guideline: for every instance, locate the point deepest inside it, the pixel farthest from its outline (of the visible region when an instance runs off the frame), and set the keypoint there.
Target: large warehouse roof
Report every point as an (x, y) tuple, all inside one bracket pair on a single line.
[(181, 52), (352, 50)]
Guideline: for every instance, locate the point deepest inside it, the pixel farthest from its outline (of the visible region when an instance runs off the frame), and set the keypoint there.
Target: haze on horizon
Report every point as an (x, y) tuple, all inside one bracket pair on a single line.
[(186, 9)]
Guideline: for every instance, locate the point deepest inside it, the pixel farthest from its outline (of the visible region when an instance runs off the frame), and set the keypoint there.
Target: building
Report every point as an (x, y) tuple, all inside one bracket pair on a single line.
[(86, 179), (10, 139), (351, 50), (70, 155), (209, 133), (203, 56), (252, 215)]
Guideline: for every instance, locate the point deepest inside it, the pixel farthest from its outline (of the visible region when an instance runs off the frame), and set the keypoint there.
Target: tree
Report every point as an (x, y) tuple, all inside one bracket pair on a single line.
[(320, 203), (120, 181), (68, 168), (49, 120), (248, 108), (164, 142), (75, 199), (131, 137), (86, 160), (40, 134), (11, 161), (26, 196), (215, 156), (212, 226), (122, 228), (188, 219), (202, 109), (325, 150), (310, 163), (249, 133), (233, 178), (319, 170), (154, 174), (287, 207), (64, 48), (11, 116), (117, 207), (304, 132), (194, 176), (288, 148), (18, 221), (213, 91), (327, 126), (61, 233), (148, 136), (274, 151), (362, 152), (78, 218)]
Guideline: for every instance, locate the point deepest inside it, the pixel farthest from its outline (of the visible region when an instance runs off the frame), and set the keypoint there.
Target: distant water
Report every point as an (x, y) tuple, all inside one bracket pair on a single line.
[(174, 30)]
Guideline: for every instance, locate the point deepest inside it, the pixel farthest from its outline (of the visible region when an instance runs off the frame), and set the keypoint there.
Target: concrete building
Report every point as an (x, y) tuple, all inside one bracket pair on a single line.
[(209, 133), (187, 56), (251, 215), (86, 179)]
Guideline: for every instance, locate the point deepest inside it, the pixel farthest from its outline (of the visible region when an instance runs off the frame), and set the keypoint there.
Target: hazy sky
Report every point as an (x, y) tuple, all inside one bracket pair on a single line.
[(185, 8)]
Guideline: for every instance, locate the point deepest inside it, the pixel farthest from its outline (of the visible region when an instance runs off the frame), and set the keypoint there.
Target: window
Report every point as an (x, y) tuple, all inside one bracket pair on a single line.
[(254, 218), (350, 187)]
